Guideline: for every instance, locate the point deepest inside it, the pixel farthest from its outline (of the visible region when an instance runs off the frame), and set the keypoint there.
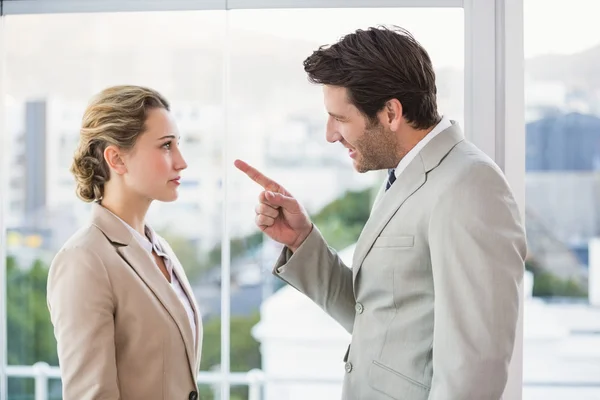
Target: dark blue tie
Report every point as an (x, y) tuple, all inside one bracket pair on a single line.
[(391, 178)]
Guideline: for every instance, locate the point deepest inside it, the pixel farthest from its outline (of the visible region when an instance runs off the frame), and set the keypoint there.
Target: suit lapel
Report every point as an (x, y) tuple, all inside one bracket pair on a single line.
[(411, 179), (145, 267), (409, 182), (379, 195)]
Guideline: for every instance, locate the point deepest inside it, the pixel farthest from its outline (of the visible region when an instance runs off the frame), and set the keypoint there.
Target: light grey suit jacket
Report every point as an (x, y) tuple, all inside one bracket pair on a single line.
[(432, 298)]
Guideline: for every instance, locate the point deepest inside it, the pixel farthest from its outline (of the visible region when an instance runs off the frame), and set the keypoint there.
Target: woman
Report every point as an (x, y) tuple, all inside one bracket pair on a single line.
[(124, 315)]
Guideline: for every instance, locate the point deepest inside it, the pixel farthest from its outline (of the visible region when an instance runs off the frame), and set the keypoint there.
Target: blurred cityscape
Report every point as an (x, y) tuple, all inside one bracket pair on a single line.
[(264, 112)]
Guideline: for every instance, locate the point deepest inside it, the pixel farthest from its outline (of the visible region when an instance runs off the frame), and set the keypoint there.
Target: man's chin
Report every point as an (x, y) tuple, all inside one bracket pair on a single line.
[(359, 167)]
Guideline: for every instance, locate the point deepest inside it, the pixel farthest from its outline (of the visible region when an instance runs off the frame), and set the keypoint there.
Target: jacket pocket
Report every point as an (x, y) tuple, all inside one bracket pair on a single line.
[(394, 241), (394, 384)]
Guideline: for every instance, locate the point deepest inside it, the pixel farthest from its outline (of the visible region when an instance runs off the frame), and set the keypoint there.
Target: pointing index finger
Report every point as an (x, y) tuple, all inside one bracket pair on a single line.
[(257, 176)]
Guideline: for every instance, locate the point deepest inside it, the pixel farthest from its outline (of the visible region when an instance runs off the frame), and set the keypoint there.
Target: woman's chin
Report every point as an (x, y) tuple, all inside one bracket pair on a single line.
[(168, 197)]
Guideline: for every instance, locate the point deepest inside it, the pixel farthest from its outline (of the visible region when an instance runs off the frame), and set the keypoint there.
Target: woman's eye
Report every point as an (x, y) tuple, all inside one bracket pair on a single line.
[(167, 145)]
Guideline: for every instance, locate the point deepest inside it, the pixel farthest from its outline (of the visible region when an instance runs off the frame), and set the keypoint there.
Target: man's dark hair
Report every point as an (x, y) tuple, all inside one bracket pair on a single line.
[(375, 66)]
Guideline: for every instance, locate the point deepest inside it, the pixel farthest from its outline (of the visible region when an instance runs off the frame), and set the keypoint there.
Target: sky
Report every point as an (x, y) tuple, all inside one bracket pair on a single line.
[(550, 26)]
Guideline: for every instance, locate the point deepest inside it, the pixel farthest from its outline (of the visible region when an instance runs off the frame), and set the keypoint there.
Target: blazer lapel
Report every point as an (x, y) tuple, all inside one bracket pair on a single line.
[(144, 266), (409, 182), (379, 195), (411, 179)]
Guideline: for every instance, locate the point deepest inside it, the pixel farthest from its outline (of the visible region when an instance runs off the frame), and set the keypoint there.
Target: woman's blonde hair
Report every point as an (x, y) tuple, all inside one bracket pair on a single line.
[(116, 116)]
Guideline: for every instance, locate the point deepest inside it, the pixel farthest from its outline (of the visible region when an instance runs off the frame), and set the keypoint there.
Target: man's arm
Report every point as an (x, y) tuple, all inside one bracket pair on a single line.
[(478, 248), (318, 272), (81, 308)]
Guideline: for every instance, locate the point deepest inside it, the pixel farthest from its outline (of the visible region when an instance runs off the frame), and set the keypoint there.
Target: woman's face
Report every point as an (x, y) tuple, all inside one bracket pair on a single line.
[(153, 166)]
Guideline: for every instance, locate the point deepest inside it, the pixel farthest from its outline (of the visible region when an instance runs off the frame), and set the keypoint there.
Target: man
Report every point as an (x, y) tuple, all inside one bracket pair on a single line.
[(432, 297)]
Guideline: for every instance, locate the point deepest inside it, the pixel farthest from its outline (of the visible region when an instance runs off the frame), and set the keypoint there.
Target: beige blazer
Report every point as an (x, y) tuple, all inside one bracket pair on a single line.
[(431, 299), (122, 332)]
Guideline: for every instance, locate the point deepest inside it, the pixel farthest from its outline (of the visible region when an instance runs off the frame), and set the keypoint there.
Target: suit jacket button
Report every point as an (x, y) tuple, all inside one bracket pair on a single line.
[(193, 395), (359, 308), (348, 367)]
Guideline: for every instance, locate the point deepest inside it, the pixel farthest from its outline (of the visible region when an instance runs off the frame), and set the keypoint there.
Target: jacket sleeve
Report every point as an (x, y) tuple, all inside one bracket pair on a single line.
[(81, 307), (478, 247), (318, 272)]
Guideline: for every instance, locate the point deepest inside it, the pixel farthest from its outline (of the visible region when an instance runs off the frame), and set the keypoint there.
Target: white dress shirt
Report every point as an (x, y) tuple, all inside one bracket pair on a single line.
[(441, 126), (150, 242)]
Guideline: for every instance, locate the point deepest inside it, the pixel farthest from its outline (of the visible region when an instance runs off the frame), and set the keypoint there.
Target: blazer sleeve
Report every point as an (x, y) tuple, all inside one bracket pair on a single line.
[(81, 307), (318, 272), (478, 247)]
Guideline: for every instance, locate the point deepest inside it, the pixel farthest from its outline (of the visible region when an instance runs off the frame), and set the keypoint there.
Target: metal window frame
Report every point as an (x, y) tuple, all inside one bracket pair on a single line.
[(494, 109), (3, 189), (495, 112), (86, 6)]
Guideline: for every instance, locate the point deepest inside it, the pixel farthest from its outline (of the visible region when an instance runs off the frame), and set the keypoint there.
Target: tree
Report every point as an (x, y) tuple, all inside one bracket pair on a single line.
[(244, 350), (195, 263), (237, 247), (187, 253), (342, 220), (31, 338), (30, 332), (547, 284)]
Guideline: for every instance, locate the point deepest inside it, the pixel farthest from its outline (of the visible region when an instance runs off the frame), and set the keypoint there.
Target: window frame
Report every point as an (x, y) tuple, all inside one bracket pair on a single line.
[(494, 112)]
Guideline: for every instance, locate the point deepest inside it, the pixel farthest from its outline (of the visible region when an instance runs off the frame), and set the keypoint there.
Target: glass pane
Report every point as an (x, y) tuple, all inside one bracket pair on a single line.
[(562, 100), (209, 392), (54, 389), (277, 124), (25, 389), (55, 63), (21, 389)]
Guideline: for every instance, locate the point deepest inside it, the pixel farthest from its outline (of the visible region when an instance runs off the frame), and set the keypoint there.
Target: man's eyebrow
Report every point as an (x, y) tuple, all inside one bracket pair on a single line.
[(335, 115)]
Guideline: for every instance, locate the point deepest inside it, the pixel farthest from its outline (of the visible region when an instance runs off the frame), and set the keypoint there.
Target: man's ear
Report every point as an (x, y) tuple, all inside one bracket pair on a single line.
[(114, 159), (392, 114)]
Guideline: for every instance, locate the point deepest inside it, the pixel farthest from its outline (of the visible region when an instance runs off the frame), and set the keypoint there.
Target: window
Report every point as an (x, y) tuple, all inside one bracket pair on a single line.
[(236, 83), (173, 52), (562, 100), (280, 129)]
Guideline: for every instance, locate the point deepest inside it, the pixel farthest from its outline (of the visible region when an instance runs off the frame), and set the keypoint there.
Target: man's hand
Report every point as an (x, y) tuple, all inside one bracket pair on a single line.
[(278, 213)]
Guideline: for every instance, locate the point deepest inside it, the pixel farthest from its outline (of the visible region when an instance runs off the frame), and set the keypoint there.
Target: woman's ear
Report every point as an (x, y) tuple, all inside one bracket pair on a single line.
[(114, 159)]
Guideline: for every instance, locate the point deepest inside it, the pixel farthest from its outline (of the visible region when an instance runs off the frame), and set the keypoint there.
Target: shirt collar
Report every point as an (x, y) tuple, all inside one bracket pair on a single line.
[(444, 124), (148, 242)]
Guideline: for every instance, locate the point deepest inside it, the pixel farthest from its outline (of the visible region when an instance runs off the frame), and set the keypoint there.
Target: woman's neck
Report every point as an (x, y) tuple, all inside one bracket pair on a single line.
[(132, 211)]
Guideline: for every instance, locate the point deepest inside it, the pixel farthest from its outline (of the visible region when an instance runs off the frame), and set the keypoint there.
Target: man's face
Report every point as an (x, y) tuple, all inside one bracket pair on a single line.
[(371, 146)]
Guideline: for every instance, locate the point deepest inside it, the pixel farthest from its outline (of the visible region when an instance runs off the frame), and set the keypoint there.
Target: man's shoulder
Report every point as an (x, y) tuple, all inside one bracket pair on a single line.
[(467, 159), (466, 168)]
